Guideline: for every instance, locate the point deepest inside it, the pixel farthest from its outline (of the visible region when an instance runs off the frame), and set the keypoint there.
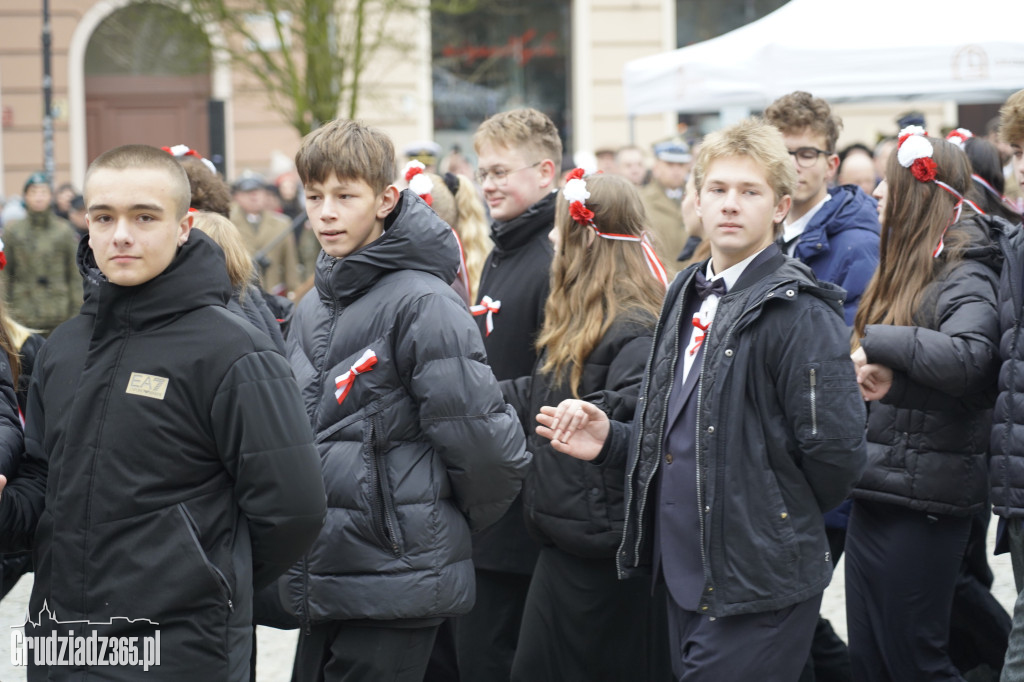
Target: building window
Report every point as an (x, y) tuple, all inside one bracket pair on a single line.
[(699, 20), (147, 39), (502, 55)]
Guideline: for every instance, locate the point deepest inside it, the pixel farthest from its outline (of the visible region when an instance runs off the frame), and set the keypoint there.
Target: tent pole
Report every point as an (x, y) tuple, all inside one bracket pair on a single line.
[(632, 129)]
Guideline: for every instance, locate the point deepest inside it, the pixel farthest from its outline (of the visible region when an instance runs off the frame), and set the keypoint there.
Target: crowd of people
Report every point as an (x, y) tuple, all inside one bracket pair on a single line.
[(527, 422)]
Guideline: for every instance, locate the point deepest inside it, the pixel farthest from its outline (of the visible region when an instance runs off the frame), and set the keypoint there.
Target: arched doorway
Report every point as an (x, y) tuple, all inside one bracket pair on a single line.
[(147, 80)]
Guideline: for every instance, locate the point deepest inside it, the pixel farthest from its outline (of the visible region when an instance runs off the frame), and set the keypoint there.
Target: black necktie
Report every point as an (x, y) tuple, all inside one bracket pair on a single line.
[(705, 288), (784, 244)]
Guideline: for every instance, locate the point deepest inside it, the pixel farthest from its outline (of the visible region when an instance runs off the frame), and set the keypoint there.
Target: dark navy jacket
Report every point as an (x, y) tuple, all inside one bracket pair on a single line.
[(841, 243)]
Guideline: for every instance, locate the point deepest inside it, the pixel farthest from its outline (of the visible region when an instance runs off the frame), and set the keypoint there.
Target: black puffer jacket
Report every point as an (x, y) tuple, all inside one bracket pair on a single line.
[(780, 431), (1006, 467), (169, 468), (421, 450), (569, 503), (928, 437)]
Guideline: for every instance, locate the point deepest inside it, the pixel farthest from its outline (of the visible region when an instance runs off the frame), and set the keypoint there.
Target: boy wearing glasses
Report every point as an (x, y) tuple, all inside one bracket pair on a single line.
[(834, 231), (519, 154)]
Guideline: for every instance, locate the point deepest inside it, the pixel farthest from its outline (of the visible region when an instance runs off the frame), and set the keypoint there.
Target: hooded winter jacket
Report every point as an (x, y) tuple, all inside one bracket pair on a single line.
[(780, 437), (840, 244), (169, 469), (928, 437), (418, 448), (1006, 467), (569, 503)]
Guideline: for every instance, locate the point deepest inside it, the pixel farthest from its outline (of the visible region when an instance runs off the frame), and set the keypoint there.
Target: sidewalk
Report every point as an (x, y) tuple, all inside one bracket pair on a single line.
[(276, 648)]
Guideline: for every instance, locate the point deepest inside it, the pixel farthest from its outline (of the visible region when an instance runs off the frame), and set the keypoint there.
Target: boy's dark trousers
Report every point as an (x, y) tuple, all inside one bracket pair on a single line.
[(340, 652)]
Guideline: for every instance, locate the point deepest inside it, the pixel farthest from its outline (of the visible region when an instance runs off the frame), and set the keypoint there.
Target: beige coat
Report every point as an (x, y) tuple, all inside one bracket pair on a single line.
[(283, 270), (665, 217)]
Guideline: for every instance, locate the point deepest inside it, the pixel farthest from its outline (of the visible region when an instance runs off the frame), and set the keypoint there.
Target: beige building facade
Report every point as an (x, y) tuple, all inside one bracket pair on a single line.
[(93, 112)]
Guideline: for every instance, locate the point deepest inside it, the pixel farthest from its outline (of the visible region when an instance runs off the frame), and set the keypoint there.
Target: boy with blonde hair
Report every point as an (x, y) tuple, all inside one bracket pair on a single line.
[(519, 154), (418, 447), (748, 427)]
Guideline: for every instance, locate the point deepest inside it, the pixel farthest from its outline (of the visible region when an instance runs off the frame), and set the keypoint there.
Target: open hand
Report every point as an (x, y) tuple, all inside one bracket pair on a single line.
[(575, 428)]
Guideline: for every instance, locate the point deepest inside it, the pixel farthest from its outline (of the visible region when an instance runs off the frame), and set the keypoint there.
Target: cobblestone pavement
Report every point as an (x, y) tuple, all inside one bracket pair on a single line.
[(276, 647)]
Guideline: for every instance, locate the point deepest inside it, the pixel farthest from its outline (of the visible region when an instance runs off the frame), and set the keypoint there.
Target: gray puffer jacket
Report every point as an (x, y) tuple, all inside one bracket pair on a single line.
[(422, 449)]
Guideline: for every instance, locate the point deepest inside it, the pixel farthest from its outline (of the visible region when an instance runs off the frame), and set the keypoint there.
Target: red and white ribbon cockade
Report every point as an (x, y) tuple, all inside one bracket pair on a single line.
[(576, 193), (3, 256), (418, 181), (698, 339), (345, 381), (489, 307)]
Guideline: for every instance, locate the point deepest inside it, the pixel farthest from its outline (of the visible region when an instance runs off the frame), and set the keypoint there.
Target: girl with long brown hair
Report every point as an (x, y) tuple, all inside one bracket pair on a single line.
[(926, 348), (580, 622)]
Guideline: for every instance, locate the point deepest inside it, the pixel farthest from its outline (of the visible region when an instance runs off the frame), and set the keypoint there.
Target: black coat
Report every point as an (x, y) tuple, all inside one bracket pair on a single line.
[(422, 449), (517, 273), (1006, 467), (568, 503), (928, 437), (780, 436), (169, 469)]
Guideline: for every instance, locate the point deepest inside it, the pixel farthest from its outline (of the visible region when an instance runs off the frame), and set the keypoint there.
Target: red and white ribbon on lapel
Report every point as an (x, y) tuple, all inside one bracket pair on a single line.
[(488, 306), (698, 339), (345, 381)]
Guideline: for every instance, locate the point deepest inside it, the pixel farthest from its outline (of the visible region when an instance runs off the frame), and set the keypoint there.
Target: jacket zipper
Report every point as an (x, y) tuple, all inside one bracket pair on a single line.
[(697, 457), (697, 444), (316, 417), (193, 532), (814, 404), (387, 517)]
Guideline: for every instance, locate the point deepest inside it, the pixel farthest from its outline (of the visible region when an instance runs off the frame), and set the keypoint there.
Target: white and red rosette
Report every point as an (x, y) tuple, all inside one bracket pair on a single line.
[(915, 152), (418, 181), (180, 150), (575, 192), (959, 136)]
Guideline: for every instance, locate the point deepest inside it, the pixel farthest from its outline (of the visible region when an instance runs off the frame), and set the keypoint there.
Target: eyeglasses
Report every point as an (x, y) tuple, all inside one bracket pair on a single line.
[(499, 176), (806, 156)]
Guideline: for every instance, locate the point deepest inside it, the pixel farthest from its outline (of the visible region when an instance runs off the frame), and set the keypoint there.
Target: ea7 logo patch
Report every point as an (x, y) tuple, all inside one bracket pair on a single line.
[(147, 385)]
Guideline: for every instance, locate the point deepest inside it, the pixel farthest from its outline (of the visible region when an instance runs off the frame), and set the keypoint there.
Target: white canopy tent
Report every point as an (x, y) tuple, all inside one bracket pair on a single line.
[(842, 51)]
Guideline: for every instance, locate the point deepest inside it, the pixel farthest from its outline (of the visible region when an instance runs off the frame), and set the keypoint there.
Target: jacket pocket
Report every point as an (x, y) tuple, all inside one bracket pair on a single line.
[(215, 573), (382, 501)]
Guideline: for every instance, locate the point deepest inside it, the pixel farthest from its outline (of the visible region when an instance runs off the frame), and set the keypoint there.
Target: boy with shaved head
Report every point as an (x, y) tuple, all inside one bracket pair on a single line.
[(169, 467)]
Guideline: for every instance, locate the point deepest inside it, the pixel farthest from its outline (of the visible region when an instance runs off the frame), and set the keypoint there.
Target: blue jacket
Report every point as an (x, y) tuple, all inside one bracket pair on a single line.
[(841, 243)]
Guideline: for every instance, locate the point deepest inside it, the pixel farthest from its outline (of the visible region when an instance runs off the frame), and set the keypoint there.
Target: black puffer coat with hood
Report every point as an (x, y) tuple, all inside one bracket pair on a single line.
[(169, 470), (420, 451)]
